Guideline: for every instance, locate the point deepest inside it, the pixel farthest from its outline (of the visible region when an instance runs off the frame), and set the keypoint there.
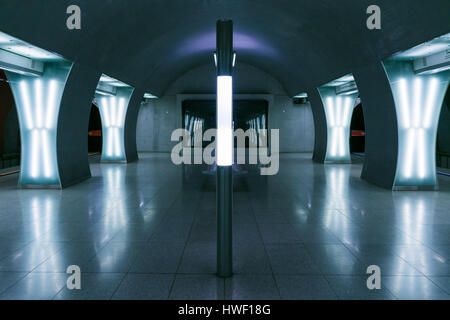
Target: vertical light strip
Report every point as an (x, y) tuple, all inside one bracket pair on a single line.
[(117, 147), (421, 153), (113, 111), (51, 113), (34, 159), (224, 120), (404, 103), (338, 111), (104, 106), (430, 102), (330, 106), (39, 114), (121, 111), (26, 105), (46, 153), (409, 153), (342, 142), (417, 101), (347, 109), (109, 138)]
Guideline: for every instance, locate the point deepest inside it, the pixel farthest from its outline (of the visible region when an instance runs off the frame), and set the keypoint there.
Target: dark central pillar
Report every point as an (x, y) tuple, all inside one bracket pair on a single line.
[(224, 147)]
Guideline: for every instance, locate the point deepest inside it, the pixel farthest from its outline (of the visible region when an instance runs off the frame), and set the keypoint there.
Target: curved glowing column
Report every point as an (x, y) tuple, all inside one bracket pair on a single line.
[(38, 101), (418, 100), (113, 110), (338, 112)]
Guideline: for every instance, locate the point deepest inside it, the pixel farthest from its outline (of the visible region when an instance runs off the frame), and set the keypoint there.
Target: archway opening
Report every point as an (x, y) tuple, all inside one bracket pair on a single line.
[(9, 129), (357, 127), (95, 131), (443, 135)]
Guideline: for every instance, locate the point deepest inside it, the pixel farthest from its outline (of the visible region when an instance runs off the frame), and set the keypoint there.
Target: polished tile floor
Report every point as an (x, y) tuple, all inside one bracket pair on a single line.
[(147, 231)]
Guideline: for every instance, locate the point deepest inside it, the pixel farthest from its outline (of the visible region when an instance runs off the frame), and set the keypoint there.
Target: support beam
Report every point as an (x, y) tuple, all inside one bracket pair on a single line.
[(73, 125), (380, 120), (320, 126), (131, 125), (224, 149)]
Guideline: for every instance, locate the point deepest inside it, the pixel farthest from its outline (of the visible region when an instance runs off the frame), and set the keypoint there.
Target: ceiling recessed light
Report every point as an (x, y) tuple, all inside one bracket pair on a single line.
[(112, 82), (150, 96), (301, 95)]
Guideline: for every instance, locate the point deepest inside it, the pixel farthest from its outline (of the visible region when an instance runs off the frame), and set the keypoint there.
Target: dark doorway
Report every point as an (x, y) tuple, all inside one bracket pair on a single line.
[(357, 127), (9, 126), (95, 131), (246, 114), (443, 135)]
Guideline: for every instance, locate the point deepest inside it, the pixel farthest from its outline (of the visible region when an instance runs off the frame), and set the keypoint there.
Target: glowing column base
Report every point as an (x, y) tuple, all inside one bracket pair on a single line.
[(113, 110), (338, 111), (38, 101), (418, 100)]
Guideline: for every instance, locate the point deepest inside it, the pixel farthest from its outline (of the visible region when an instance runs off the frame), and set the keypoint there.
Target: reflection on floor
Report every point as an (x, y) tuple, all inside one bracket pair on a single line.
[(147, 231)]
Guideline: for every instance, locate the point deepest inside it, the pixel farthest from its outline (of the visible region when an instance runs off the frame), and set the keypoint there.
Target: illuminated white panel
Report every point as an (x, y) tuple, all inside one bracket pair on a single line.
[(34, 156), (418, 99), (38, 101), (46, 153), (113, 113), (224, 121), (338, 112), (430, 107)]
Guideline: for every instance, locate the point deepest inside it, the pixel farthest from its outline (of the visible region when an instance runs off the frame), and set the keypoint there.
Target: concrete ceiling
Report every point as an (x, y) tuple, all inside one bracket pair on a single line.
[(149, 43)]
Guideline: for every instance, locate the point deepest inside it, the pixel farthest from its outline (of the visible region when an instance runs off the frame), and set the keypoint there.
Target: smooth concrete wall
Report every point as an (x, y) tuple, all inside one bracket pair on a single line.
[(156, 121), (158, 118), (295, 122)]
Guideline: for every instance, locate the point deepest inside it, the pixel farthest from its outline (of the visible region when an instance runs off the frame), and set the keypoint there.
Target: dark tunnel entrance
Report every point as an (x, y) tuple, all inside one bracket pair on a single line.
[(357, 130), (443, 134), (9, 127), (95, 139), (246, 114)]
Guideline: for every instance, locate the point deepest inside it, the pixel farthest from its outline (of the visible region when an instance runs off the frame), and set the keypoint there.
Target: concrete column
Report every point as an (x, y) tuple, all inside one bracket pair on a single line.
[(73, 125), (320, 125), (130, 125), (224, 147), (53, 113), (380, 119)]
